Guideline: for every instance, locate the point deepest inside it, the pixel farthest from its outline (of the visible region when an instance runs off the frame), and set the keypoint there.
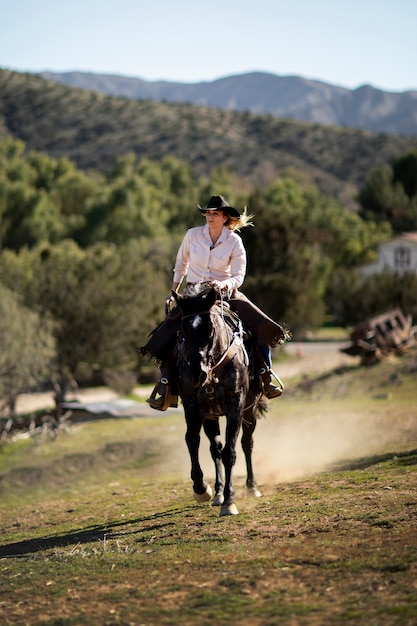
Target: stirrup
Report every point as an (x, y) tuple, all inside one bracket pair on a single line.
[(268, 388), (166, 398), (164, 401)]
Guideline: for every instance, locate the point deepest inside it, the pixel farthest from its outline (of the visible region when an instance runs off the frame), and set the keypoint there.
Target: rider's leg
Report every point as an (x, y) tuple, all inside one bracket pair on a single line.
[(161, 347), (265, 373)]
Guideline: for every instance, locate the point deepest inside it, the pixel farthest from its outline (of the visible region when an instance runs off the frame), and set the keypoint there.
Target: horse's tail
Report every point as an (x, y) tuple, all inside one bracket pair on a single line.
[(258, 408), (261, 407)]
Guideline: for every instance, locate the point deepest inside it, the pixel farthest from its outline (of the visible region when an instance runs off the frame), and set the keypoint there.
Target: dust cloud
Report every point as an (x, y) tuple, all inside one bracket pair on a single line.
[(290, 448), (289, 445)]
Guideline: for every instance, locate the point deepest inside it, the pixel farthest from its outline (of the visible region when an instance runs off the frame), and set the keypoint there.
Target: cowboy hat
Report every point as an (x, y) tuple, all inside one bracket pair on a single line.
[(218, 203)]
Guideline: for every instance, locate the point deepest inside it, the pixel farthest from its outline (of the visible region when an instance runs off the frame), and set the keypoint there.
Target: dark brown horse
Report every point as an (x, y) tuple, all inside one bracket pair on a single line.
[(214, 380)]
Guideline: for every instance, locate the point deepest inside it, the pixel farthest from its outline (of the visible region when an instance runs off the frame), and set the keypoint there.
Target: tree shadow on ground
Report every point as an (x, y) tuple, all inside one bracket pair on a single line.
[(90, 534), (401, 458)]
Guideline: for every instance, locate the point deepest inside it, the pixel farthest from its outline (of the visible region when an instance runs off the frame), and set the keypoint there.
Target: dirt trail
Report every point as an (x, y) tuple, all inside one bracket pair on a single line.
[(35, 401), (314, 357), (305, 358)]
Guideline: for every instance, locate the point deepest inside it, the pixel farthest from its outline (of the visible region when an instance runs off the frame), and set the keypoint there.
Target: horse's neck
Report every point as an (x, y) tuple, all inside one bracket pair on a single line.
[(222, 332)]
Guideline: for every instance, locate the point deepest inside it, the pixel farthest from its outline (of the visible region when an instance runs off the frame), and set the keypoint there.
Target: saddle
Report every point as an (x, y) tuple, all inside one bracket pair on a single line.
[(161, 348)]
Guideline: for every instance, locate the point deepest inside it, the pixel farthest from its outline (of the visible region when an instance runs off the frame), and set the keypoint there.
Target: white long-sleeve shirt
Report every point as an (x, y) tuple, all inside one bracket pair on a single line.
[(201, 261)]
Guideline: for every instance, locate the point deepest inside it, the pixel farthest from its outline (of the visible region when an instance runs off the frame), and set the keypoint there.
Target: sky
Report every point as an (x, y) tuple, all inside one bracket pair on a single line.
[(343, 42)]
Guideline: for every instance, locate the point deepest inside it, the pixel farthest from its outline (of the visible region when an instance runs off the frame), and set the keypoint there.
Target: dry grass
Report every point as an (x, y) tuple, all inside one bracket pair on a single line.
[(99, 526)]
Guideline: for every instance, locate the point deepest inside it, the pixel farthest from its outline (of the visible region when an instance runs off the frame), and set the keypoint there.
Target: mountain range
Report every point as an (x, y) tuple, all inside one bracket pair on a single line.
[(293, 97), (95, 129)]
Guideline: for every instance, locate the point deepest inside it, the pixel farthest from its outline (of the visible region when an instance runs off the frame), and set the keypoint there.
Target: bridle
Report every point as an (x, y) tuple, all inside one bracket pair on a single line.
[(233, 348), (235, 345)]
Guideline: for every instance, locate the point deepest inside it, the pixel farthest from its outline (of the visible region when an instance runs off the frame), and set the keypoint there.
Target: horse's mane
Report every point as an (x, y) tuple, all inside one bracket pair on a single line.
[(199, 294)]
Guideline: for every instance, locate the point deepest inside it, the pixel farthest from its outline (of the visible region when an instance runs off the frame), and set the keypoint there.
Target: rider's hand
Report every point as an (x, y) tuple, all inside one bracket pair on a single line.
[(219, 286), (168, 301)]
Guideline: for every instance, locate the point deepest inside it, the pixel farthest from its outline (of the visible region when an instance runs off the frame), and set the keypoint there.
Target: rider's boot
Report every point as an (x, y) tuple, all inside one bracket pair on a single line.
[(267, 386), (164, 394)]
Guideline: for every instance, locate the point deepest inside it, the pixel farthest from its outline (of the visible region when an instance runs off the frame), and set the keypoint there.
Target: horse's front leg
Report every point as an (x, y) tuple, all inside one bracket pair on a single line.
[(229, 459), (212, 430), (202, 491), (248, 428)]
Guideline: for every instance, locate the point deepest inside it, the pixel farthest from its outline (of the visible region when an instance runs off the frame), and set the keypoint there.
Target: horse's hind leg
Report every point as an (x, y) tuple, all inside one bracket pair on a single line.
[(248, 428), (202, 491), (212, 430)]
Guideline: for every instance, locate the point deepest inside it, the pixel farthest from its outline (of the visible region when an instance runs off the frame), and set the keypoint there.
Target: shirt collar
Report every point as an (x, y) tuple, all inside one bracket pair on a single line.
[(224, 235)]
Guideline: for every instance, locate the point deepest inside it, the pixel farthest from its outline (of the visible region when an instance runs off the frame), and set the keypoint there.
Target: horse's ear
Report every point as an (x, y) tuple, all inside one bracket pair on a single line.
[(176, 296), (211, 297)]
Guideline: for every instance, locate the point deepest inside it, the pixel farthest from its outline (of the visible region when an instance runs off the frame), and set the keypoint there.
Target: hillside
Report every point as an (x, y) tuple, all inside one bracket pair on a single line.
[(102, 517), (93, 129), (366, 107)]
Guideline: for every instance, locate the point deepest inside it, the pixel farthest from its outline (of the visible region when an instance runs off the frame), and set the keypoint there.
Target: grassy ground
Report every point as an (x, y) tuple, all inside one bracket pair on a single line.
[(98, 527)]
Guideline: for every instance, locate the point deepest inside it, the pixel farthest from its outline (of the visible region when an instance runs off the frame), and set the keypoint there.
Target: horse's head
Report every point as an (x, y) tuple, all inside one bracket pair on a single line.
[(201, 301), (196, 334)]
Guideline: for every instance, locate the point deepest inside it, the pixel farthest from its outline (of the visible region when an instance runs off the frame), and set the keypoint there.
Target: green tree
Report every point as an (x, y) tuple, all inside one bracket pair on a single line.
[(134, 204), (389, 195), (404, 170), (182, 195), (299, 238), (358, 297), (27, 350), (42, 200), (103, 300)]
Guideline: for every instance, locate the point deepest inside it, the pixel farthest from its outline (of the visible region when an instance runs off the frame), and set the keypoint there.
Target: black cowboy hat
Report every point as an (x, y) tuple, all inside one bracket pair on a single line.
[(218, 203)]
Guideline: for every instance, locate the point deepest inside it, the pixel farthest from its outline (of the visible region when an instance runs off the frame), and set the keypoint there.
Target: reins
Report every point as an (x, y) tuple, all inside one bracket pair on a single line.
[(236, 344), (230, 352), (227, 356)]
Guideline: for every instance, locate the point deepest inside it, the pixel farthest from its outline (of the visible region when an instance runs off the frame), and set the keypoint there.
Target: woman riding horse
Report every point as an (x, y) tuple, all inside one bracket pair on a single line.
[(214, 380), (214, 254)]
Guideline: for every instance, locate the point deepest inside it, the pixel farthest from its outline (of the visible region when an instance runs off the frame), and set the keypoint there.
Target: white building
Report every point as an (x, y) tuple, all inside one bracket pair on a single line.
[(398, 255)]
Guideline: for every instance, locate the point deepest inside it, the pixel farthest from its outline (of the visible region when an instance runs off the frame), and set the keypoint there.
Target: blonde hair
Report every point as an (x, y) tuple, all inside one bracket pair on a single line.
[(236, 223)]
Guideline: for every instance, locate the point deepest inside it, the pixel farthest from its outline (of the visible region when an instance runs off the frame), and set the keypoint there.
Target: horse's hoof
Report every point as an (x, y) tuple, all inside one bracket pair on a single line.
[(218, 499), (204, 497), (254, 493), (228, 509)]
